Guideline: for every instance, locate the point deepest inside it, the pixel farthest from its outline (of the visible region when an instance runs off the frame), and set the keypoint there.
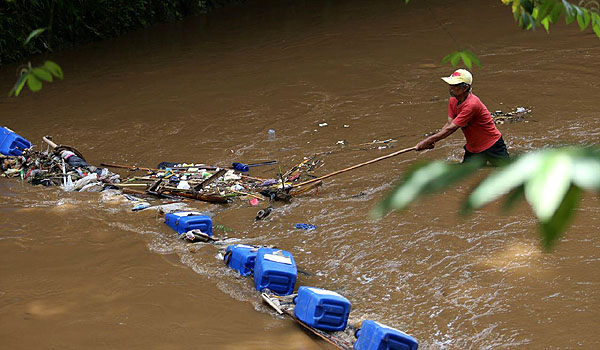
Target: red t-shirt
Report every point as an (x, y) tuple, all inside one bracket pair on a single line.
[(475, 121)]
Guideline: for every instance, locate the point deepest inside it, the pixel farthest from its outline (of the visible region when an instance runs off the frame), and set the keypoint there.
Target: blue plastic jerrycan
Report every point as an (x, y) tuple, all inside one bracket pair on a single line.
[(376, 336), (275, 269), (185, 221), (12, 144), (241, 257), (322, 309)]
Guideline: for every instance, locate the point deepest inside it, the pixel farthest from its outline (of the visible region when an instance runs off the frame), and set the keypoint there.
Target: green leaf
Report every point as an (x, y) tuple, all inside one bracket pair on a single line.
[(503, 180), (550, 182), (546, 23), (586, 170), (596, 24), (447, 58), (556, 12), (544, 10), (473, 58), (466, 59), (53, 68), (553, 227), (583, 19), (455, 58), (527, 5), (33, 83), (513, 197), (42, 74), (569, 12), (423, 180), (34, 34), (16, 90)]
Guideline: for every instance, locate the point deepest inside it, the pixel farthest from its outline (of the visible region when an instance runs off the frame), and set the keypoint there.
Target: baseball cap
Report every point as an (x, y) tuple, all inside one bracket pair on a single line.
[(459, 76)]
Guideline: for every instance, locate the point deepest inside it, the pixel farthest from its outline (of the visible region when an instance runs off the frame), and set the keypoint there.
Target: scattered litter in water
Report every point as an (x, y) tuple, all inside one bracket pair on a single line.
[(307, 227)]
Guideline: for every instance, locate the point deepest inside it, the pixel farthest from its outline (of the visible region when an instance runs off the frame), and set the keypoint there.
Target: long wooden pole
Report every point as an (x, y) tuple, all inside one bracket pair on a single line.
[(355, 166)]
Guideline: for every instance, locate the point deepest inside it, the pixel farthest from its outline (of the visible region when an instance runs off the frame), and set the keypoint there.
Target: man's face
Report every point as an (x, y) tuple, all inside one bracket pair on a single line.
[(457, 90)]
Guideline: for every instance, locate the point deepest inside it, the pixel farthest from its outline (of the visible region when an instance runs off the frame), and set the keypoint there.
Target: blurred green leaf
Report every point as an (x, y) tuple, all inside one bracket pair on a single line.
[(16, 90), (546, 187), (544, 10), (583, 20), (502, 181), (586, 170), (42, 74), (454, 59), (473, 58), (53, 68), (466, 56), (527, 5), (570, 13), (596, 24), (447, 58), (466, 59), (34, 34), (556, 12), (33, 83), (423, 180), (553, 227), (513, 197), (546, 24)]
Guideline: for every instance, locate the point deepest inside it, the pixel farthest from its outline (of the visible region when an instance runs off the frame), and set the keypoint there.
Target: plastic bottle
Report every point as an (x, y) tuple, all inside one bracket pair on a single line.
[(271, 134)]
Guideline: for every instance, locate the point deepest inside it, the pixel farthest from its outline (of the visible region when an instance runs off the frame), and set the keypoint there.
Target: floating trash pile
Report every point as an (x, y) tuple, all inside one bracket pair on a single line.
[(516, 115), (65, 166), (60, 166)]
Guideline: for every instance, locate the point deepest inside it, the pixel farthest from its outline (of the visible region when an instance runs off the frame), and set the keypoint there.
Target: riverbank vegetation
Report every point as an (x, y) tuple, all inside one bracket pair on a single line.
[(65, 24)]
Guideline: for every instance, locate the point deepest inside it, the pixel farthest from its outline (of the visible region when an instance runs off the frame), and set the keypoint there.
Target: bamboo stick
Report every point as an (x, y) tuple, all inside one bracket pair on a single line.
[(355, 166), (130, 167), (248, 194)]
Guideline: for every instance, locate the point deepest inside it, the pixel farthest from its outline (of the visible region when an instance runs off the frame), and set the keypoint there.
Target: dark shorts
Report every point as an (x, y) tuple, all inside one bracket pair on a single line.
[(495, 155)]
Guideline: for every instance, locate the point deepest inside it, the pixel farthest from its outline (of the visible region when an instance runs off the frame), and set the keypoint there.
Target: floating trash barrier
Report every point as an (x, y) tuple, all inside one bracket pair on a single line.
[(322, 309), (373, 335), (325, 313)]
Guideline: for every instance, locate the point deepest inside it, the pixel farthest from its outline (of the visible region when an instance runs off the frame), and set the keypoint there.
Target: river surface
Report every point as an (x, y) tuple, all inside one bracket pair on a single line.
[(82, 271)]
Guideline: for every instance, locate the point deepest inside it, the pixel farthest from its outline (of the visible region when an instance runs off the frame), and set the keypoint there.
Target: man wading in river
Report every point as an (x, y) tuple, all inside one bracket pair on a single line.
[(466, 111)]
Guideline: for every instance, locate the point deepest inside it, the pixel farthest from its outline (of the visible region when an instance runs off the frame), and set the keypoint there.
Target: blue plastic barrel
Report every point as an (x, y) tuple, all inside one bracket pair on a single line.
[(185, 221), (275, 270), (376, 336), (12, 144), (241, 257), (322, 309)]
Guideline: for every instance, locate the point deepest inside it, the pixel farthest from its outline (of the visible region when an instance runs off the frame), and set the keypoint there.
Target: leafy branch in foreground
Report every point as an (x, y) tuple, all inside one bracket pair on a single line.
[(34, 76), (551, 181), (532, 13)]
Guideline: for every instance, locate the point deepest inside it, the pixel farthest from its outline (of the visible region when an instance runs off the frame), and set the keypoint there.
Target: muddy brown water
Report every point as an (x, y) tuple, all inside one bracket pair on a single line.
[(81, 271)]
